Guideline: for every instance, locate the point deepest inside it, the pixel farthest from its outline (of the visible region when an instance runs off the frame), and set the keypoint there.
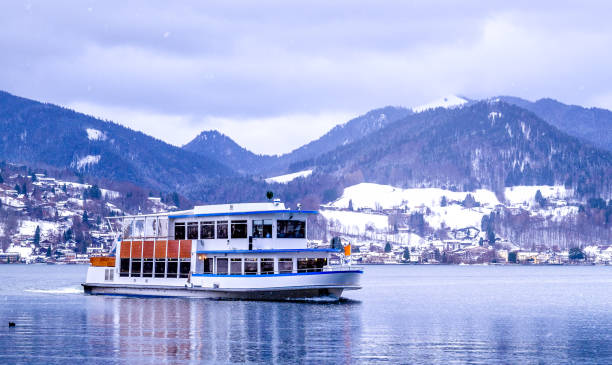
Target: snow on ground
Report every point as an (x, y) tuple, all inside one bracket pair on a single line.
[(525, 195), (95, 135), (456, 217), (283, 179), (12, 202), (453, 215), (27, 228), (369, 195), (557, 214), (356, 222), (110, 194), (450, 101), (24, 252), (75, 201), (86, 161)]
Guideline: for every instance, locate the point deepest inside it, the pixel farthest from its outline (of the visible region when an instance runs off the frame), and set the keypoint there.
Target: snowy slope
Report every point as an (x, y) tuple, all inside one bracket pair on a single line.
[(356, 222), (283, 179), (369, 198), (525, 195), (369, 195), (450, 101)]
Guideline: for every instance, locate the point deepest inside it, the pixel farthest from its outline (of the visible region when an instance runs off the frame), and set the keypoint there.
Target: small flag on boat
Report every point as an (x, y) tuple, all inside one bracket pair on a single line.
[(347, 250)]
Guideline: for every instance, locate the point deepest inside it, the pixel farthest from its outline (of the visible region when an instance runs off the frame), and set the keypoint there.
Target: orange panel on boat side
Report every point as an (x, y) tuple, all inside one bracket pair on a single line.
[(185, 249), (160, 249), (173, 249), (125, 249), (147, 249), (137, 249), (102, 261)]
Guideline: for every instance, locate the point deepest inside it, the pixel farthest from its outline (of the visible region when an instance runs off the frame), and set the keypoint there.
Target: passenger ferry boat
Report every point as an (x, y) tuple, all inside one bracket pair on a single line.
[(228, 251)]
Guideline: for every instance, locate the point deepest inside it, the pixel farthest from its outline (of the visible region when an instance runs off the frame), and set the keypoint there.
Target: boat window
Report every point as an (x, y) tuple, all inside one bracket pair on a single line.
[(236, 266), (320, 263), (208, 266), (124, 267), (250, 266), (172, 268), (222, 267), (306, 265), (192, 230), (127, 226), (207, 230), (147, 268), (221, 229), (160, 268), (179, 231), (139, 228), (184, 267), (108, 274), (262, 228), (136, 266), (150, 227), (162, 227), (285, 266), (239, 229), (266, 266), (290, 229)]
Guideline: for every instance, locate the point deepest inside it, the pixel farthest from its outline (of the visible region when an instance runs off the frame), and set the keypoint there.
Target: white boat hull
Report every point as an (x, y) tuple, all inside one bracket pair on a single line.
[(269, 294), (330, 284)]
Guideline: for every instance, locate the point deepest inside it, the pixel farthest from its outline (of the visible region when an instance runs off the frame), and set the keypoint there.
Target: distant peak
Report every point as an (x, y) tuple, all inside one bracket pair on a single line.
[(448, 102)]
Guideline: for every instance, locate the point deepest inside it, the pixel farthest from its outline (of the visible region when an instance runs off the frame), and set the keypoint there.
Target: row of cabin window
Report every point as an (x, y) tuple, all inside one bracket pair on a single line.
[(234, 266), (238, 229), (158, 268)]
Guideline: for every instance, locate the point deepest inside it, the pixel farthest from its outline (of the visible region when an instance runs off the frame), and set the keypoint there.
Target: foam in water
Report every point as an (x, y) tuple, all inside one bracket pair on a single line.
[(66, 290)]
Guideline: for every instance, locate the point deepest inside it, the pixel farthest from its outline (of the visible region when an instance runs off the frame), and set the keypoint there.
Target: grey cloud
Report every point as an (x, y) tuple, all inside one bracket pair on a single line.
[(268, 58)]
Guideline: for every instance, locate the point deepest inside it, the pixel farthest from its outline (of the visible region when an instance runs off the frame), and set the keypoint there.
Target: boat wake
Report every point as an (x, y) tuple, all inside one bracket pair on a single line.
[(66, 290)]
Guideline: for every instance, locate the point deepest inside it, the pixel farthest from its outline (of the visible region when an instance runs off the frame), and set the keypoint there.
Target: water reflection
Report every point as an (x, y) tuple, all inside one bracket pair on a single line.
[(223, 331)]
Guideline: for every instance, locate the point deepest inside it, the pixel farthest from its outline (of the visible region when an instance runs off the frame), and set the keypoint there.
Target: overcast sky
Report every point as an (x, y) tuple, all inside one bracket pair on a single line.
[(274, 75)]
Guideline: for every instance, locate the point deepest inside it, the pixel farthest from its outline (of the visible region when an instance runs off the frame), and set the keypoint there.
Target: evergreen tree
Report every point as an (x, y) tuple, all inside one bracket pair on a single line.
[(469, 201), (24, 189), (406, 254), (48, 251), (540, 199), (95, 192), (85, 218), (1, 179), (175, 199), (388, 247), (37, 236), (350, 204), (17, 189), (576, 253), (33, 177), (443, 201), (68, 235), (336, 244)]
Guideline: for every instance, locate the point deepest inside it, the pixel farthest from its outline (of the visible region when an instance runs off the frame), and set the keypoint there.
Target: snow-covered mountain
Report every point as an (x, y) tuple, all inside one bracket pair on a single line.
[(447, 102)]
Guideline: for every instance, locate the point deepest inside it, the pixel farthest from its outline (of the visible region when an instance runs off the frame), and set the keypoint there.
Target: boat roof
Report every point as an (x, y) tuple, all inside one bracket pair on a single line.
[(227, 209), (265, 251)]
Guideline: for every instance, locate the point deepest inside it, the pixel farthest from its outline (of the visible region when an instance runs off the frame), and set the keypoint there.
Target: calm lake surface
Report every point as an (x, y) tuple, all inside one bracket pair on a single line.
[(404, 314)]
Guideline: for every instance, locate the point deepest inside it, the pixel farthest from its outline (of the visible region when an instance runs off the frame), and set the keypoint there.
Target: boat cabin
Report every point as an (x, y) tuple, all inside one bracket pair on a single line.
[(217, 240)]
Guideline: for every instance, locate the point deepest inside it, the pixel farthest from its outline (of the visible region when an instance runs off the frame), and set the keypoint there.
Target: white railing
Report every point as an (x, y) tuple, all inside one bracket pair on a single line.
[(342, 268)]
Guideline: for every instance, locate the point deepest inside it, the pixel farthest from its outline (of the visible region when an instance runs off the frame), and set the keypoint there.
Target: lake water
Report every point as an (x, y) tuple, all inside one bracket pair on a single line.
[(404, 314)]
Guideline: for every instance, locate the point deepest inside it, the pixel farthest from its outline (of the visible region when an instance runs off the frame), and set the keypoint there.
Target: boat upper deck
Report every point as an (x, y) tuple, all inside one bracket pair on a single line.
[(223, 227)]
